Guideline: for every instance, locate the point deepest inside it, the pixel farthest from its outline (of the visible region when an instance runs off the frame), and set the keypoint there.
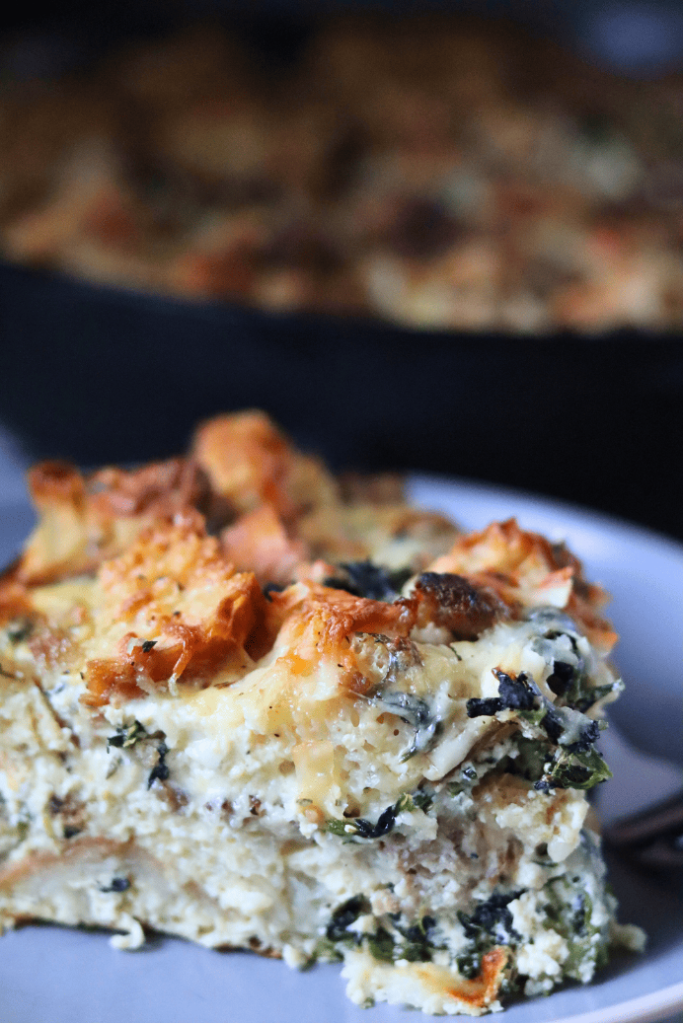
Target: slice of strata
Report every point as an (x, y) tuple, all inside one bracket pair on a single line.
[(242, 705)]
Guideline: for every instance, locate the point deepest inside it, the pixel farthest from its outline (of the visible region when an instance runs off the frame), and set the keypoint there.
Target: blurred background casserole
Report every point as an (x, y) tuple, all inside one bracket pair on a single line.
[(433, 170), (424, 240)]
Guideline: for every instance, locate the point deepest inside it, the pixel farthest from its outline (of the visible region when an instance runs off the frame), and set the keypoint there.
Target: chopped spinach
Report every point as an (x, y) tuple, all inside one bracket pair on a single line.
[(385, 823), (381, 945), (410, 943), (23, 824), (558, 644), (532, 757), (326, 950), (490, 924), (569, 911), (345, 915), (518, 694), (551, 722), (588, 734), (160, 770), (365, 579), (393, 939), (127, 735), (569, 680), (491, 921), (417, 713), (573, 763), (590, 695), (340, 828), (561, 677), (469, 964), (18, 630), (574, 766), (583, 911), (361, 828), (419, 941), (515, 694), (478, 706), (582, 769), (468, 777), (116, 885), (566, 727), (421, 800), (147, 646)]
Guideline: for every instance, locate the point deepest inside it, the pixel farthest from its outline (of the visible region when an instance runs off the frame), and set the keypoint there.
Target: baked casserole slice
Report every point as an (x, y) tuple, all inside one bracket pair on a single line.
[(248, 704)]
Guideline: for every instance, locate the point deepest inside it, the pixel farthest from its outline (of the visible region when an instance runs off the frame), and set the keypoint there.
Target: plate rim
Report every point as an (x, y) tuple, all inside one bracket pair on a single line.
[(639, 1009), (545, 502)]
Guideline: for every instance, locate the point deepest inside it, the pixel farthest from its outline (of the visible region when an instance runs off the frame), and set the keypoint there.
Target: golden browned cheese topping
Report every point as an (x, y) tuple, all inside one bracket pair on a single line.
[(249, 462), (524, 568), (156, 601), (84, 520), (187, 612), (259, 541), (451, 601)]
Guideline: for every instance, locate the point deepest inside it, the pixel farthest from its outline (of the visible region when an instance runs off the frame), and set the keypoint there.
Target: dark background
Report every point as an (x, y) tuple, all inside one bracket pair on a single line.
[(95, 375)]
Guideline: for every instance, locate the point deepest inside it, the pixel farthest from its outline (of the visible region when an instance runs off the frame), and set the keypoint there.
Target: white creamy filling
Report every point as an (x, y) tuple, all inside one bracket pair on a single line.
[(257, 804)]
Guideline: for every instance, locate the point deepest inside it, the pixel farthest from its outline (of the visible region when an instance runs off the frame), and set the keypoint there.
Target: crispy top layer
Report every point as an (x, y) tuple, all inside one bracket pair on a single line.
[(189, 571)]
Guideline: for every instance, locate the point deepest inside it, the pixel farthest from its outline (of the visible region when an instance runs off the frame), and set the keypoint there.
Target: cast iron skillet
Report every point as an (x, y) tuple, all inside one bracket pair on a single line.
[(95, 374)]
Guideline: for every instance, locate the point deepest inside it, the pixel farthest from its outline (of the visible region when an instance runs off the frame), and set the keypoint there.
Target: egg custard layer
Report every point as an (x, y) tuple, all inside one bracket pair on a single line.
[(248, 704)]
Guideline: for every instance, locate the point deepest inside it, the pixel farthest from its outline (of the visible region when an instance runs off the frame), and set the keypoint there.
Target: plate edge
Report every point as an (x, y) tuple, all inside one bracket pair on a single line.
[(639, 1009)]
